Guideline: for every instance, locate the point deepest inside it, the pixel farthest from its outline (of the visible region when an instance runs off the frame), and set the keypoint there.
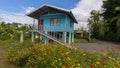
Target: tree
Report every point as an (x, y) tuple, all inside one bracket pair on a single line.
[(96, 24), (106, 25), (111, 14)]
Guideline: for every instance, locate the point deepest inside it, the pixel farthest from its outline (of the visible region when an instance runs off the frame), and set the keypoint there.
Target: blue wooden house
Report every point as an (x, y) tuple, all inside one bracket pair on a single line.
[(54, 23)]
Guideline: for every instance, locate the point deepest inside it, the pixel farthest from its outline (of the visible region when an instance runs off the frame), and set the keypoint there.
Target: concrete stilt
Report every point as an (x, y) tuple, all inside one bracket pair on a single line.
[(72, 37), (33, 36), (64, 37), (69, 40), (45, 39), (54, 35), (21, 37)]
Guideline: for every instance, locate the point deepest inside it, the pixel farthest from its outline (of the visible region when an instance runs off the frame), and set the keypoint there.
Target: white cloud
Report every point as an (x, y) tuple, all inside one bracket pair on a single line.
[(83, 8), (17, 17), (29, 9)]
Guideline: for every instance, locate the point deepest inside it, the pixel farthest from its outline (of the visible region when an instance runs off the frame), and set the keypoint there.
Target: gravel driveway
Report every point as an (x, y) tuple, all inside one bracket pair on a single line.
[(99, 46)]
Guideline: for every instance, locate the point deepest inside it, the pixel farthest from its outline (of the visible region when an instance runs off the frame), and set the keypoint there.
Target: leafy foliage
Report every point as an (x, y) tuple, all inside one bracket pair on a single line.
[(11, 30), (105, 25), (96, 24)]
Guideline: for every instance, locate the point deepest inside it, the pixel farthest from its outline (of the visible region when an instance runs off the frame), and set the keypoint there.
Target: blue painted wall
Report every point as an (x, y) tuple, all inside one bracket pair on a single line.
[(64, 22), (69, 28)]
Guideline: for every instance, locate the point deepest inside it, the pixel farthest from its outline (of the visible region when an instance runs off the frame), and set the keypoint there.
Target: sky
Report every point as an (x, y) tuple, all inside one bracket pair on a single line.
[(16, 10)]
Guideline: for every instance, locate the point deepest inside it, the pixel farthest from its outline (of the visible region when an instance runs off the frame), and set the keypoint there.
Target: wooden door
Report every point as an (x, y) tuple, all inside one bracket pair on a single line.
[(40, 25)]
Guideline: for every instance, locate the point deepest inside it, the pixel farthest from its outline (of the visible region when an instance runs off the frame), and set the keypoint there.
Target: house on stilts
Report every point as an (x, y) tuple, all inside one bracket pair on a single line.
[(54, 23)]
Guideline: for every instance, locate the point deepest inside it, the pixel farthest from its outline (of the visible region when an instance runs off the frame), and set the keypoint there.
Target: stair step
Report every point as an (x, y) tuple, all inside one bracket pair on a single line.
[(48, 36)]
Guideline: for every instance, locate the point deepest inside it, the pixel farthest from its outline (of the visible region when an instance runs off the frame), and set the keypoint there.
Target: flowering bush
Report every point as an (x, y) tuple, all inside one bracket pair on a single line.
[(59, 56)]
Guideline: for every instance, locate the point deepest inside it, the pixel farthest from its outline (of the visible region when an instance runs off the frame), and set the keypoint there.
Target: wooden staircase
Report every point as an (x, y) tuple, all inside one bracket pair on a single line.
[(49, 36)]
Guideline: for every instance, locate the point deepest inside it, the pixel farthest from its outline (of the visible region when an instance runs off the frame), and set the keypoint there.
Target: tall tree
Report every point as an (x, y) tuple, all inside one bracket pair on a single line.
[(96, 24), (111, 14)]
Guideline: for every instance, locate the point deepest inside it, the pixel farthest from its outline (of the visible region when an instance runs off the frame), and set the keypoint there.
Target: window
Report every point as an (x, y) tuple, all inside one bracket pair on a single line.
[(55, 21)]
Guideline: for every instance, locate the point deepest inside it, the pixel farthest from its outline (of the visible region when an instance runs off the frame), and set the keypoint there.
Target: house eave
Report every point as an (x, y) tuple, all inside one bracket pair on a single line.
[(45, 8)]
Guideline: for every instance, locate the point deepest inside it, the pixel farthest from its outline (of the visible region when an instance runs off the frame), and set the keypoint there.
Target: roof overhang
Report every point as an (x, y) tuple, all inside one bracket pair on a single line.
[(46, 8)]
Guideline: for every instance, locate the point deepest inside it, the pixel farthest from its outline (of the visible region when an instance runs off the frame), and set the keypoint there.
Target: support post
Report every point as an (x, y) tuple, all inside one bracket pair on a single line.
[(21, 37), (54, 35), (45, 39), (64, 37), (32, 36), (69, 40), (72, 37)]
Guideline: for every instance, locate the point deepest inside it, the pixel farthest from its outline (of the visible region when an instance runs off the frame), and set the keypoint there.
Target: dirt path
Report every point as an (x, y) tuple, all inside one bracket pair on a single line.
[(99, 46), (3, 60)]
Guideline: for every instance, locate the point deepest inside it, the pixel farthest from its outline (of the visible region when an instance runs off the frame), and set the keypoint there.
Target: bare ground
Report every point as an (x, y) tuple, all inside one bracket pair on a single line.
[(3, 59), (99, 46)]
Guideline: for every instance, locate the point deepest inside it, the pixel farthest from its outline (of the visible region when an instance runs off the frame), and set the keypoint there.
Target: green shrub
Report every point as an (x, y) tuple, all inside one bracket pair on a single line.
[(80, 41), (93, 40), (59, 56)]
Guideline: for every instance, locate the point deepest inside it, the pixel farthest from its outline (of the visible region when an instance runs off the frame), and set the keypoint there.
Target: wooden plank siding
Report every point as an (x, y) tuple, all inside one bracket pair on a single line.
[(64, 24)]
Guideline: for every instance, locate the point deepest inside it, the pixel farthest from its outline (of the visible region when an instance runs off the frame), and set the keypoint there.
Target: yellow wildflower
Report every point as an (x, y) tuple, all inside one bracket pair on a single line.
[(105, 66), (67, 53), (104, 54), (84, 54), (78, 64), (68, 58), (97, 63)]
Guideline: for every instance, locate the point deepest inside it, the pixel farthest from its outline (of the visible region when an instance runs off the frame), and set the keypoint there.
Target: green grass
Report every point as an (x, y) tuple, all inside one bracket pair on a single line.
[(8, 42), (81, 41)]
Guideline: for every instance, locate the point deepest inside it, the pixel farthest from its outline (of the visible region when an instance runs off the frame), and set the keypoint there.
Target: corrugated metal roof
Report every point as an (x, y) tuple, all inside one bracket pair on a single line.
[(45, 8)]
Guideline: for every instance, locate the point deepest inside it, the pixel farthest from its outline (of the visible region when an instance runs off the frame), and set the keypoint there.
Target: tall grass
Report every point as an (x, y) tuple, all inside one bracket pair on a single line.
[(8, 42)]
